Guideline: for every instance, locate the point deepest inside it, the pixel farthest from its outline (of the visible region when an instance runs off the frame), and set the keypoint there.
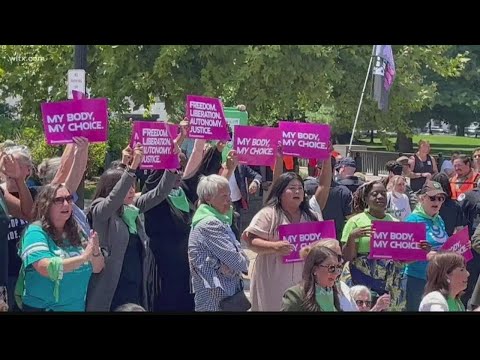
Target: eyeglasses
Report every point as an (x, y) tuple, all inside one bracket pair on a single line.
[(477, 156), (61, 199), (367, 303), (438, 198), (332, 268)]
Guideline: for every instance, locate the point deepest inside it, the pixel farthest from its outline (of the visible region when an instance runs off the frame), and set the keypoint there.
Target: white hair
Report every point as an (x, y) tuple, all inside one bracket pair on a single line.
[(47, 169), (22, 151), (209, 186), (359, 289)]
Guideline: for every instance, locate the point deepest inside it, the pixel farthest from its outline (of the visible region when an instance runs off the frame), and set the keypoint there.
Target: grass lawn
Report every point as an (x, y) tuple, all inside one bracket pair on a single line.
[(445, 144)]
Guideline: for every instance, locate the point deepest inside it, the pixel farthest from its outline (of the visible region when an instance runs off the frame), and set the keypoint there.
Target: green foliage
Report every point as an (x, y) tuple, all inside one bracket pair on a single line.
[(321, 82)]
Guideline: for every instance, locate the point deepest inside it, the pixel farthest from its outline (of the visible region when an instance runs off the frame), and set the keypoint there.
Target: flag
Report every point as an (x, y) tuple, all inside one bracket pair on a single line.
[(383, 75)]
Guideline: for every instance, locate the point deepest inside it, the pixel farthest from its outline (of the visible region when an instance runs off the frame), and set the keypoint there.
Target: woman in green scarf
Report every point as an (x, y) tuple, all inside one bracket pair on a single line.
[(216, 259), (427, 211), (168, 226), (130, 274), (318, 290)]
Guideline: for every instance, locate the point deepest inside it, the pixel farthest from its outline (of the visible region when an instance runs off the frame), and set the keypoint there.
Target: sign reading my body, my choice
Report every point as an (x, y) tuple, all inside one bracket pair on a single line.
[(305, 140), (67, 119), (397, 241), (256, 145)]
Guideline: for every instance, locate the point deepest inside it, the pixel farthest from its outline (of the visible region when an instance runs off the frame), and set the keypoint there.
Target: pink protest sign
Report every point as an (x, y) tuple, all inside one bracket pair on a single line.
[(157, 141), (459, 243), (83, 117), (206, 118), (303, 234), (397, 241), (309, 141), (256, 145)]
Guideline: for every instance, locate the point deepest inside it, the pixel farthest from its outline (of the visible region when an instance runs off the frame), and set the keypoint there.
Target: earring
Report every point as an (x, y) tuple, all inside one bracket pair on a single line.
[(448, 280)]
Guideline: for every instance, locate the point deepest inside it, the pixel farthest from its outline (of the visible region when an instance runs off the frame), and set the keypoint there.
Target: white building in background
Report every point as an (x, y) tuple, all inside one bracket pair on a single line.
[(157, 112)]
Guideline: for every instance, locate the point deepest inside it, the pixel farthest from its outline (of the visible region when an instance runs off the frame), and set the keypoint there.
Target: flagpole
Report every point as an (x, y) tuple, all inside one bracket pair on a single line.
[(361, 101)]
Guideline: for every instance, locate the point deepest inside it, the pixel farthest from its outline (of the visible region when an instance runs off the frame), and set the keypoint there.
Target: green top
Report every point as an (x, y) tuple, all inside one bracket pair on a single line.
[(325, 299), (129, 216), (455, 304), (294, 297), (361, 220)]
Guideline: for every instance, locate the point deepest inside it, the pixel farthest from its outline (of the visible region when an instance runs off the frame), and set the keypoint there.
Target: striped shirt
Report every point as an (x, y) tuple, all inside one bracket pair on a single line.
[(216, 263)]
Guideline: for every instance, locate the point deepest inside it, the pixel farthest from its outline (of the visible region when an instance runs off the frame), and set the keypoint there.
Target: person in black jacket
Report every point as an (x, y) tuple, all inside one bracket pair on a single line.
[(168, 226)]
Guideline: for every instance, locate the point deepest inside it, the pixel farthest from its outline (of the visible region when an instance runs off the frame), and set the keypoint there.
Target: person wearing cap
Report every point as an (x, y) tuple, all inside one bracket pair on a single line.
[(346, 168), (447, 165), (430, 201)]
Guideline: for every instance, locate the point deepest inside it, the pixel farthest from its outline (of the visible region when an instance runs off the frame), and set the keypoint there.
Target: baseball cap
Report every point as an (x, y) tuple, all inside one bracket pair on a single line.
[(346, 162), (432, 188), (402, 159)]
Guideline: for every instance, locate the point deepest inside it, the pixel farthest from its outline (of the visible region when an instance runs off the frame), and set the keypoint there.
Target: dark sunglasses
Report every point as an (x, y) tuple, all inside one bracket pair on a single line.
[(367, 303), (332, 268), (438, 198), (61, 199)]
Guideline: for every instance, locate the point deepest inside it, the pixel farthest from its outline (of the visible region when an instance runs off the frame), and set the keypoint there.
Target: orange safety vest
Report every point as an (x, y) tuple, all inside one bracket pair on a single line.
[(461, 187)]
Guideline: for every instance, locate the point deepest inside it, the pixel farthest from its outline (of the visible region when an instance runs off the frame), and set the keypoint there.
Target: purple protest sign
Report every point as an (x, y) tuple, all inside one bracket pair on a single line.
[(157, 140), (309, 141), (66, 119), (397, 241), (303, 234), (256, 145), (459, 243), (206, 118)]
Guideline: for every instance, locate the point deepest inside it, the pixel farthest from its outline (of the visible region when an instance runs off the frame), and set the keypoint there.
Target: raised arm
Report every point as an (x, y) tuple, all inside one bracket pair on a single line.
[(324, 180), (106, 207), (21, 207), (66, 163), (79, 164), (278, 170), (195, 158)]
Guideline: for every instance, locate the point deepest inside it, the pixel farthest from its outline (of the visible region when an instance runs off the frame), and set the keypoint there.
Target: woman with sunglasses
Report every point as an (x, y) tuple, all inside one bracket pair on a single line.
[(362, 297), (57, 258), (317, 290), (431, 198), (346, 302), (379, 275)]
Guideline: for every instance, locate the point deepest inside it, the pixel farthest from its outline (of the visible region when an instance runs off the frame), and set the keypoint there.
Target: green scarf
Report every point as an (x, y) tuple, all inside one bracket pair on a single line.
[(421, 212), (324, 298), (455, 304), (55, 273), (179, 200), (129, 216), (205, 211)]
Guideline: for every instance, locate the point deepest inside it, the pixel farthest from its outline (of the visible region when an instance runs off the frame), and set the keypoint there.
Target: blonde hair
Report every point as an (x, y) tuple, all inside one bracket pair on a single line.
[(331, 244), (393, 182)]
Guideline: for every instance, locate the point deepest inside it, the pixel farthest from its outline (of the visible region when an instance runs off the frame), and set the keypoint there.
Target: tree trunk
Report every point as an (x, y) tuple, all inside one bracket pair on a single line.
[(371, 136), (404, 143), (460, 130)]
